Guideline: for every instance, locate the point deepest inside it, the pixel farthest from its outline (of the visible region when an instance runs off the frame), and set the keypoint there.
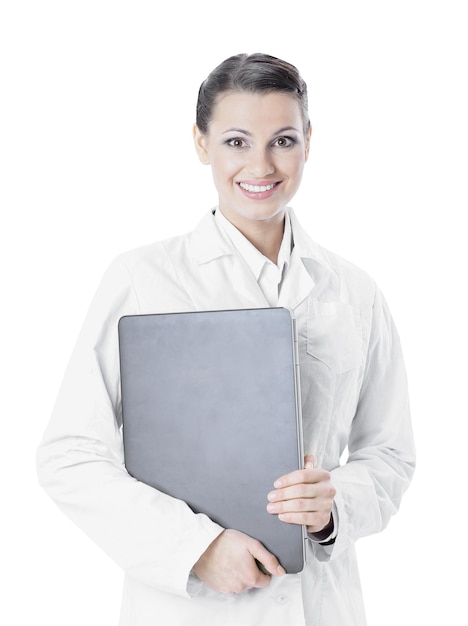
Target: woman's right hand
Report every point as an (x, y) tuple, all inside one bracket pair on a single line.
[(229, 565)]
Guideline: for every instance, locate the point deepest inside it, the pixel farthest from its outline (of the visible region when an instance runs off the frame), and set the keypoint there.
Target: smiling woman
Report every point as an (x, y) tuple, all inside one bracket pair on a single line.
[(181, 567), (257, 149), (253, 128)]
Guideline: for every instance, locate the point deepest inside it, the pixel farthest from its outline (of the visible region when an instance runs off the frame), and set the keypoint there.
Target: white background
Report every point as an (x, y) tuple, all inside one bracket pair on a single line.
[(97, 106)]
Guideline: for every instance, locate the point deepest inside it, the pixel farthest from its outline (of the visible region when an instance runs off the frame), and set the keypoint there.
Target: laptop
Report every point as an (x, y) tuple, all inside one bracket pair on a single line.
[(211, 414)]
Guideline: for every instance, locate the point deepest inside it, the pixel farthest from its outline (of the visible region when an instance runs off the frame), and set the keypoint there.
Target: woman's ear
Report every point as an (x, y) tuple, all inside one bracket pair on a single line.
[(200, 141), (307, 142)]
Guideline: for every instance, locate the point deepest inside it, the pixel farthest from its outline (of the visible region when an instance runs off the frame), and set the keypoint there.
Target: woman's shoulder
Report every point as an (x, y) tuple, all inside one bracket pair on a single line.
[(347, 269), (155, 253), (345, 273), (179, 250)]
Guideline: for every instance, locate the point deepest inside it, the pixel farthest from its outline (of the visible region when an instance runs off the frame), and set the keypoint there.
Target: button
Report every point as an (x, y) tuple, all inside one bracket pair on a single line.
[(281, 599)]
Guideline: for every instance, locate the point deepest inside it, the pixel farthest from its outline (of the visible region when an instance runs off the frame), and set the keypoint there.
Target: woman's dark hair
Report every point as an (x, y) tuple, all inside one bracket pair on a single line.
[(254, 73)]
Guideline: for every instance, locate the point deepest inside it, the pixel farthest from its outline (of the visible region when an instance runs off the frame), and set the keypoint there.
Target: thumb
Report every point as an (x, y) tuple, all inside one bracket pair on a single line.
[(268, 560), (310, 461)]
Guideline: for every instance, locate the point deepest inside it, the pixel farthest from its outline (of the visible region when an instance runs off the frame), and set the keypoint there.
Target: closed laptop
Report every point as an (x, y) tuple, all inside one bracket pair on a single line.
[(211, 414)]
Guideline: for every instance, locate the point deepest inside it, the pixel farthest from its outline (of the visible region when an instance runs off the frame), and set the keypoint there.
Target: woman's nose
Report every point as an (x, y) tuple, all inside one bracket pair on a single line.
[(260, 164)]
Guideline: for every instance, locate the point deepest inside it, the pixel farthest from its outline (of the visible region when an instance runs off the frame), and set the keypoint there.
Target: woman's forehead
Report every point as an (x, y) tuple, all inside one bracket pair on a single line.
[(240, 109)]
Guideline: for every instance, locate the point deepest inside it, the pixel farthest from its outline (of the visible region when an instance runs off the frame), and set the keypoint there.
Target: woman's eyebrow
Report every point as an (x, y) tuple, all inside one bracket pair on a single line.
[(249, 134), (283, 130), (237, 130)]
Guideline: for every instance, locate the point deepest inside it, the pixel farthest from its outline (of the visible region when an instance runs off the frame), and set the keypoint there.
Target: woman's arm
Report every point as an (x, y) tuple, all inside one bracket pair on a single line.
[(381, 461), (153, 537), (365, 492)]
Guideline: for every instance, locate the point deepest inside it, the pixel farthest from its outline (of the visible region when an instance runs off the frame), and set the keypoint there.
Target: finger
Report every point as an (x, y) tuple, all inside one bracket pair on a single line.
[(310, 461), (314, 521), (302, 476), (295, 506), (302, 490), (261, 579), (305, 518), (268, 560), (248, 578)]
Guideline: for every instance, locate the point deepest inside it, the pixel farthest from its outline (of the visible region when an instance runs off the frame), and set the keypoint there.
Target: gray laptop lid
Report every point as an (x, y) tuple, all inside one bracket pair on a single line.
[(211, 414)]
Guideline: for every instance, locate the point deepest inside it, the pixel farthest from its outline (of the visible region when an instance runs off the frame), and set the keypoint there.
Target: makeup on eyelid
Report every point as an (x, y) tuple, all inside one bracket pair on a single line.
[(290, 142)]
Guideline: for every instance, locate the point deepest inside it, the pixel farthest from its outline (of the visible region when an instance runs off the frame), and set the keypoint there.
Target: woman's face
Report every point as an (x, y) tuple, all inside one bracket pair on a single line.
[(257, 150)]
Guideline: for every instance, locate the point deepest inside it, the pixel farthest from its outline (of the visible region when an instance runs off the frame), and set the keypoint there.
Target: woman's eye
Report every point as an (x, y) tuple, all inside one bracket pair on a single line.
[(284, 142), (236, 142)]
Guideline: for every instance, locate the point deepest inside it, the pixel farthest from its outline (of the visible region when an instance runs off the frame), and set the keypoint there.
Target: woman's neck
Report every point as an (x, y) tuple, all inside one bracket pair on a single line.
[(265, 235)]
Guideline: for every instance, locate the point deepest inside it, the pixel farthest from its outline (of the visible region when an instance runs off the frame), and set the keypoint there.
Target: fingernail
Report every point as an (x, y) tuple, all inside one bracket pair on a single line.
[(277, 484), (272, 496), (309, 465), (280, 570)]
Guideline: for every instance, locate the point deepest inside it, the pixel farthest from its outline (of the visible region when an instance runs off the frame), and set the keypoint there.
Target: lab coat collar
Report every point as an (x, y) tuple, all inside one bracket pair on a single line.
[(310, 268), (209, 242), (305, 247), (221, 272)]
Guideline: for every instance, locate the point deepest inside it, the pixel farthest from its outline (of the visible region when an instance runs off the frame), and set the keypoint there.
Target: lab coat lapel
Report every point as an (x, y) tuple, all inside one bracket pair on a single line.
[(297, 284), (309, 272), (244, 283), (221, 279)]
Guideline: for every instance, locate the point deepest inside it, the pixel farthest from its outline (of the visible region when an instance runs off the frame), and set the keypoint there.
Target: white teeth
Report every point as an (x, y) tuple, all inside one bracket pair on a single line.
[(257, 188)]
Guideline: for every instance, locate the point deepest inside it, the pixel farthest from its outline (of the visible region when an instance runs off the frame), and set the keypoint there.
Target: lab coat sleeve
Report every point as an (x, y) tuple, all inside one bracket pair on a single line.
[(381, 457), (153, 537)]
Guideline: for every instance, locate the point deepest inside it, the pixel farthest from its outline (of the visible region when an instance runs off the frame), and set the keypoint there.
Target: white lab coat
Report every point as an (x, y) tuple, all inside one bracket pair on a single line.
[(354, 393)]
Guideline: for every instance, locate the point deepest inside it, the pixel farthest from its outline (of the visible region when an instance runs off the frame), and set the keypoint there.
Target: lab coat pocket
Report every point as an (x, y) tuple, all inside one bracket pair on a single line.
[(334, 335)]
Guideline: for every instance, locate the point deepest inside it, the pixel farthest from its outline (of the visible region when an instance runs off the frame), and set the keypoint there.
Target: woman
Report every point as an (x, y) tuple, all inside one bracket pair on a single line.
[(253, 130)]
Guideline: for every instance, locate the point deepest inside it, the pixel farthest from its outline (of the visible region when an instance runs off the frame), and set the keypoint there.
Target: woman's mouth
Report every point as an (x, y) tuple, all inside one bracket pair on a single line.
[(258, 191)]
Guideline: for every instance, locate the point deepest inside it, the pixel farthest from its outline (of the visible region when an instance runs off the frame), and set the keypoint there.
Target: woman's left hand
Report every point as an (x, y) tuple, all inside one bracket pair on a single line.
[(304, 497)]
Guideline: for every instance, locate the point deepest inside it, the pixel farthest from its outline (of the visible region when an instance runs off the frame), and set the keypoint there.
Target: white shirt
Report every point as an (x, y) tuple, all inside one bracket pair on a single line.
[(268, 274), (269, 277)]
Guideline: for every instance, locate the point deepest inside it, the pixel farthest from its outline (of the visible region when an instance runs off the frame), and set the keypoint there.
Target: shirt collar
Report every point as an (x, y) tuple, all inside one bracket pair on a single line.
[(251, 255)]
